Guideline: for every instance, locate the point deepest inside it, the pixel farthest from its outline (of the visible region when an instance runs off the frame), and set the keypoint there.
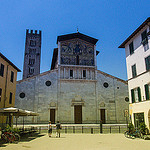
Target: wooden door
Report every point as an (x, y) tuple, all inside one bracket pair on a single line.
[(52, 115), (78, 114), (102, 115)]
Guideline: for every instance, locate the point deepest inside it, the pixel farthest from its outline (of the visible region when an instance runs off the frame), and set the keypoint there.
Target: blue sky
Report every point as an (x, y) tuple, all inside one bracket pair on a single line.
[(110, 21)]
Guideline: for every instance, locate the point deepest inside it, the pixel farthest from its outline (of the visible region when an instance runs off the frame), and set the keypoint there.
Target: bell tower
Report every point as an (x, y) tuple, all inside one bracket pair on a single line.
[(32, 54)]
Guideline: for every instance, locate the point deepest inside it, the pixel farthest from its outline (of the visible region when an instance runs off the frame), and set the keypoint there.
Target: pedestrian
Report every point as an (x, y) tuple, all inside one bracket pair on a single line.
[(58, 127), (49, 129)]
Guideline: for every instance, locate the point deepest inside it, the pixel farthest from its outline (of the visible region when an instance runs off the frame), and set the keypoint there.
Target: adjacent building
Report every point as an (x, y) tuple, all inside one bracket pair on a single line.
[(8, 76), (137, 48), (73, 90), (32, 54)]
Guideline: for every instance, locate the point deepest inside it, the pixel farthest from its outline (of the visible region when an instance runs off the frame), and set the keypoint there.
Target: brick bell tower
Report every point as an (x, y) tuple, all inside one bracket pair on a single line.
[(32, 54)]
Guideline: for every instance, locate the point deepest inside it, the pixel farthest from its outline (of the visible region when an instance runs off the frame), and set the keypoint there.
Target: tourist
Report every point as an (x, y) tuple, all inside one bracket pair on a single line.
[(49, 129), (58, 127)]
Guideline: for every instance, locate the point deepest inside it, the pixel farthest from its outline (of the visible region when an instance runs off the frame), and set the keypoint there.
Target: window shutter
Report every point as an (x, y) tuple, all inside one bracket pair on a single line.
[(131, 48), (146, 92), (132, 96), (147, 62), (134, 74), (139, 94)]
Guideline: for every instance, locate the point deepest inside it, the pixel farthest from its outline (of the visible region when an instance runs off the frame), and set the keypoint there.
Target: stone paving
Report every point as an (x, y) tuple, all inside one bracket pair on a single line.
[(79, 142)]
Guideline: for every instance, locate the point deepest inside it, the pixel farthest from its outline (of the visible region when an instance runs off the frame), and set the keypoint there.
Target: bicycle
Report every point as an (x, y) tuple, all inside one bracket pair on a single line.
[(10, 137), (134, 134)]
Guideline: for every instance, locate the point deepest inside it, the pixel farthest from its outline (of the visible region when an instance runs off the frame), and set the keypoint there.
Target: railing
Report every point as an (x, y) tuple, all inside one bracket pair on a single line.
[(87, 129)]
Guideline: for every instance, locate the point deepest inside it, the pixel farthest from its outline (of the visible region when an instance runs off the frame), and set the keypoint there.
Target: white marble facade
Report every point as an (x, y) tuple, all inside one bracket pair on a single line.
[(73, 93)]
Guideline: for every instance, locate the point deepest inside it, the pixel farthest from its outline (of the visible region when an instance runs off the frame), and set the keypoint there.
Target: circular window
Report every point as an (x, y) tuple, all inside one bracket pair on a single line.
[(22, 95), (127, 99), (106, 85), (48, 83)]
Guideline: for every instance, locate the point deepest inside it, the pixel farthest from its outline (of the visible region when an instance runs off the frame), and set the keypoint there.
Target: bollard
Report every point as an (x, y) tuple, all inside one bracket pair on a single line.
[(39, 129), (65, 129), (91, 130), (73, 129), (119, 129), (110, 129), (82, 129), (101, 127)]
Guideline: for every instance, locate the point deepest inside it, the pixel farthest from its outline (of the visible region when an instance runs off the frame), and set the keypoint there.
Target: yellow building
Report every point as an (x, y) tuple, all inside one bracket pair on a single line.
[(8, 77)]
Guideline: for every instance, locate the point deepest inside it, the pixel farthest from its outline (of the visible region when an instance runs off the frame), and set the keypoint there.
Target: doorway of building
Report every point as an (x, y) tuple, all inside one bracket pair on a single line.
[(102, 115), (52, 116), (78, 114)]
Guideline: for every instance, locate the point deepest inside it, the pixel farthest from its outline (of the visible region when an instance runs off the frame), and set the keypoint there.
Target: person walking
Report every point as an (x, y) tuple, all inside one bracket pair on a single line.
[(58, 127), (49, 129)]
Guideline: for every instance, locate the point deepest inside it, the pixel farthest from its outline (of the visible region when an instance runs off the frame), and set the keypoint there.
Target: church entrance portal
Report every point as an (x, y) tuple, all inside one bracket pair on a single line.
[(102, 115), (52, 115), (78, 114)]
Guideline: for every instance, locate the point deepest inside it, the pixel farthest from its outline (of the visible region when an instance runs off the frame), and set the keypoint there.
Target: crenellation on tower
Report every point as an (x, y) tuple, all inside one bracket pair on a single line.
[(32, 53)]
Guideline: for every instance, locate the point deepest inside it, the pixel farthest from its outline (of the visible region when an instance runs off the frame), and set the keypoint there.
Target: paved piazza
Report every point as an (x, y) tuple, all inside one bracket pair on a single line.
[(80, 142)]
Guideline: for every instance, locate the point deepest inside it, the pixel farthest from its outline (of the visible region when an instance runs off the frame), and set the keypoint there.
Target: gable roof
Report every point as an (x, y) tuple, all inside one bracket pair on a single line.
[(77, 35), (134, 33), (113, 77), (41, 74), (1, 55)]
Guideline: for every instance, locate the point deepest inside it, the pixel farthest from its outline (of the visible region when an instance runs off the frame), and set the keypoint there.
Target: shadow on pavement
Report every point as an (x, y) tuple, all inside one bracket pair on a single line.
[(23, 138)]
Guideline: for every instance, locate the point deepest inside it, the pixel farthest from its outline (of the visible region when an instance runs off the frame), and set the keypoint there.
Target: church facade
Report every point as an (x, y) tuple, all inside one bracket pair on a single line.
[(74, 91)]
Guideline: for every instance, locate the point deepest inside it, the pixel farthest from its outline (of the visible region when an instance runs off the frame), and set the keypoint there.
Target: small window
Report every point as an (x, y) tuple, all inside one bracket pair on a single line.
[(31, 61), (134, 74), (84, 73), (22, 95), (48, 83), (32, 43), (106, 85), (71, 73), (10, 98), (12, 76), (0, 94), (131, 48), (147, 62), (2, 70), (31, 70)]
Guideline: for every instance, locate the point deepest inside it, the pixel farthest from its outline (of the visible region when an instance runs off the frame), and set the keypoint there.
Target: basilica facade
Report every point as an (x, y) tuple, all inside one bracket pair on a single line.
[(73, 90)]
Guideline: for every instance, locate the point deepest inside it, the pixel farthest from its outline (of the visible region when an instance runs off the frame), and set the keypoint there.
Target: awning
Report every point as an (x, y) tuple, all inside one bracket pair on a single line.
[(16, 112)]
